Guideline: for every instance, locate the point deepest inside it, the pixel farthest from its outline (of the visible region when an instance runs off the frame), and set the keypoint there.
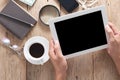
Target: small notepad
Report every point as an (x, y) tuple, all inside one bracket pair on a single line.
[(28, 2), (16, 20)]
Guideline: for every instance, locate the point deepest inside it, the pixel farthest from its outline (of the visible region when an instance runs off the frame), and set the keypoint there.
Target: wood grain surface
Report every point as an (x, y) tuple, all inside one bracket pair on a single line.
[(94, 66)]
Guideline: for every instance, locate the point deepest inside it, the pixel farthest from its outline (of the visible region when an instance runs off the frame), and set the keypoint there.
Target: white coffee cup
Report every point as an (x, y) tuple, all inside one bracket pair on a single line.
[(41, 44)]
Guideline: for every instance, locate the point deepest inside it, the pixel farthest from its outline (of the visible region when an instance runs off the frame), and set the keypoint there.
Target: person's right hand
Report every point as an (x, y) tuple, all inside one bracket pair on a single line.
[(58, 60), (114, 43)]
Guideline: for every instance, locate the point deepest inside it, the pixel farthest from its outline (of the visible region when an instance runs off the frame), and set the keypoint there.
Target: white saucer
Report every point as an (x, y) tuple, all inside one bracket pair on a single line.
[(44, 58)]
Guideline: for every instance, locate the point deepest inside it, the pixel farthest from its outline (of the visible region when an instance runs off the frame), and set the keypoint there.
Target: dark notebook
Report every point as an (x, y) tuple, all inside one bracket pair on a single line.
[(16, 20)]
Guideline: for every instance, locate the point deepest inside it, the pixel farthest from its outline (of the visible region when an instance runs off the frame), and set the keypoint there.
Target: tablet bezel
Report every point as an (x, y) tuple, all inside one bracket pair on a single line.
[(75, 14)]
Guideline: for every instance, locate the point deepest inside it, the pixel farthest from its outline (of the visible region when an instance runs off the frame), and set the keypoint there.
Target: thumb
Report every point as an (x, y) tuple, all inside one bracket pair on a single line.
[(109, 32), (51, 50), (113, 27), (57, 49)]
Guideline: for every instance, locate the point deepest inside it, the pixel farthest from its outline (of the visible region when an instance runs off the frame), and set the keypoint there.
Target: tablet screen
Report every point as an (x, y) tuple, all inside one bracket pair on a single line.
[(81, 32)]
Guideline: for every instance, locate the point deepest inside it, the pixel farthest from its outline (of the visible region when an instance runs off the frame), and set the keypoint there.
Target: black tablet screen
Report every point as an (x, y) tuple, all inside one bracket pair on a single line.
[(81, 33)]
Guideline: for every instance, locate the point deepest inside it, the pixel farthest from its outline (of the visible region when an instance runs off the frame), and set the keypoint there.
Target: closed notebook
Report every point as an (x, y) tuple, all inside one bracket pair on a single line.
[(16, 20)]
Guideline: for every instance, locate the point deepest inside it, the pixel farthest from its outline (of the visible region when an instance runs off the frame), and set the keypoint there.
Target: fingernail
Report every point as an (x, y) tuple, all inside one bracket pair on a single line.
[(107, 27), (56, 41)]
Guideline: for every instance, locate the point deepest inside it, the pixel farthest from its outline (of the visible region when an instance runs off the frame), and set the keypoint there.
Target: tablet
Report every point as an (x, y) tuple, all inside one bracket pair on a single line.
[(80, 32)]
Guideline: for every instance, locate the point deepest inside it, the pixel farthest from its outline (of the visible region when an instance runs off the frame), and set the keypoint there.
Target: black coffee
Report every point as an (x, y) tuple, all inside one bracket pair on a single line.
[(36, 50)]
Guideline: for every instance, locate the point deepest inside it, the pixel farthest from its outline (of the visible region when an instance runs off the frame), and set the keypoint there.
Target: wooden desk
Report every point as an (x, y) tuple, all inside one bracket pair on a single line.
[(96, 66)]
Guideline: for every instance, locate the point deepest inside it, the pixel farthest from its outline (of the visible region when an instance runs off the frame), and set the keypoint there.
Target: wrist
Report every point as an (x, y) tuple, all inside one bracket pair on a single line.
[(117, 60), (61, 75), (117, 63)]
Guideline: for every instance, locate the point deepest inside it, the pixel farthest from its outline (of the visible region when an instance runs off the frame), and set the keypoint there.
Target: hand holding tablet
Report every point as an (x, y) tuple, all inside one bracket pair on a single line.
[(80, 32)]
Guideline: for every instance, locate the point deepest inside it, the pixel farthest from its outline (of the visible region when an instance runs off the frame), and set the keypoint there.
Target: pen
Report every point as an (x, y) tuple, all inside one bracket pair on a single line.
[(16, 19)]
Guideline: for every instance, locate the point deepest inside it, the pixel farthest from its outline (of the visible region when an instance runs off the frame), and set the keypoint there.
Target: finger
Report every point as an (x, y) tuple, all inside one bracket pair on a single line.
[(57, 49), (109, 32), (51, 51), (112, 26), (108, 50)]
